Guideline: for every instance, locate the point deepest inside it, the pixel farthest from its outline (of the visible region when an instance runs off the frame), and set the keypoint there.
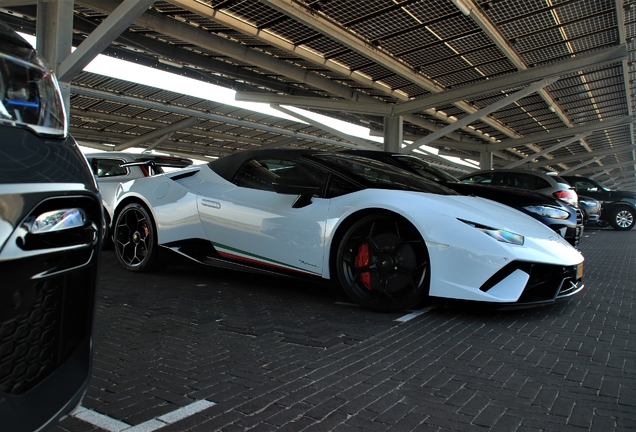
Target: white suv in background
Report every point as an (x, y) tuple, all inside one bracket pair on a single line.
[(112, 168)]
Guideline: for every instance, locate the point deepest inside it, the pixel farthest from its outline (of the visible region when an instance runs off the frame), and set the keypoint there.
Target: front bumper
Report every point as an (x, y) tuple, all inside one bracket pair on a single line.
[(546, 283)]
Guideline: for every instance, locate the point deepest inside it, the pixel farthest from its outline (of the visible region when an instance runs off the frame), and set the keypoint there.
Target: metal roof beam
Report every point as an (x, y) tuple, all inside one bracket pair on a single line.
[(198, 37), (513, 80), (612, 166), (532, 88), (344, 37), (116, 22), (190, 34), (581, 165), (326, 104), (188, 112), (560, 133), (158, 133), (578, 157), (143, 43), (623, 174), (360, 142), (469, 8), (349, 39), (153, 124), (548, 150)]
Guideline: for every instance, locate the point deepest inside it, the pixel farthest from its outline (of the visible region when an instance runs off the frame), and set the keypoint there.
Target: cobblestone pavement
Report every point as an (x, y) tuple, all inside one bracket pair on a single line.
[(279, 354)]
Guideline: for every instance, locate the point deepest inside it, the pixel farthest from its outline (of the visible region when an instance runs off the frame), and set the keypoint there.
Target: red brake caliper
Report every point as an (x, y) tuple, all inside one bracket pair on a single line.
[(362, 259)]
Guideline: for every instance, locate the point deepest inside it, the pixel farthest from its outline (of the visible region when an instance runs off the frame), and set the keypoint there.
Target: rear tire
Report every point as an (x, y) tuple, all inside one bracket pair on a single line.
[(622, 218), (135, 239), (383, 263)]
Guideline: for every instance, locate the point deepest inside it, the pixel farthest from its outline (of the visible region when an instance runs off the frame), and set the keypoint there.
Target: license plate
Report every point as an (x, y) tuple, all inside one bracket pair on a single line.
[(579, 271)]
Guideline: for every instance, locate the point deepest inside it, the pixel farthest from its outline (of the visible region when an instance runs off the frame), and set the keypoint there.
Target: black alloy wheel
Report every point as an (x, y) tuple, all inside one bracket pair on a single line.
[(622, 218), (135, 239), (383, 264)]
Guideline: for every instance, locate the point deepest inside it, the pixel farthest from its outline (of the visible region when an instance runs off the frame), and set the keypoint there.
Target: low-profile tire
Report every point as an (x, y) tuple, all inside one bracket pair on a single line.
[(622, 218), (383, 264), (135, 239)]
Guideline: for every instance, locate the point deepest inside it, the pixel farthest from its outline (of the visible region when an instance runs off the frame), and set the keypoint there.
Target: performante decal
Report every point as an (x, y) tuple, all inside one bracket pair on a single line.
[(230, 252)]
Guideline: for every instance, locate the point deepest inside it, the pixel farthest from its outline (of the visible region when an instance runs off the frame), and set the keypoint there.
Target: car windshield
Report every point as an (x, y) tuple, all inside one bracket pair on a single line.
[(380, 175)]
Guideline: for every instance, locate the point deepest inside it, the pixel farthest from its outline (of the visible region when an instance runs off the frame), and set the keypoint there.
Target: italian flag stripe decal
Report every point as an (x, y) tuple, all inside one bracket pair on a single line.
[(230, 252)]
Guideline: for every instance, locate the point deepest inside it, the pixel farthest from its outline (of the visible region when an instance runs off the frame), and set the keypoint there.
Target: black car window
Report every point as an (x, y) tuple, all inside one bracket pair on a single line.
[(336, 186), (585, 186), (108, 167), (481, 178), (544, 184), (265, 173), (255, 175), (523, 181), (518, 180), (375, 174)]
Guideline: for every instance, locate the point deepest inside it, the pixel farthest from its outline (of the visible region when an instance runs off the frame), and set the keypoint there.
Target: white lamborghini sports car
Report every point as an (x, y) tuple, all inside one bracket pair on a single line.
[(390, 238)]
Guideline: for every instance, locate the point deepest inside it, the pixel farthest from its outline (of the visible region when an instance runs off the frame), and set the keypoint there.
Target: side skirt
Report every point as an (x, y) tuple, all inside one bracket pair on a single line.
[(203, 252)]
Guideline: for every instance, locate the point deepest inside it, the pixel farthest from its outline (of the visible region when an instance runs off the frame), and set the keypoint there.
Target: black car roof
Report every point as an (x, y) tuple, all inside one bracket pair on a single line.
[(227, 166)]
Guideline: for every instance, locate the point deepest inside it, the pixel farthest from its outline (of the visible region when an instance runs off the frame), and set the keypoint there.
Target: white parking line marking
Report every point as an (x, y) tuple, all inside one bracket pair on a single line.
[(110, 424), (414, 314), (186, 411), (100, 420)]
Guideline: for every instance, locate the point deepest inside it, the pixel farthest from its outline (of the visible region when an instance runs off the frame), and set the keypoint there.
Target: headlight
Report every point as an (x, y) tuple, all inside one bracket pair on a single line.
[(58, 220), (548, 211), (498, 234), (29, 93)]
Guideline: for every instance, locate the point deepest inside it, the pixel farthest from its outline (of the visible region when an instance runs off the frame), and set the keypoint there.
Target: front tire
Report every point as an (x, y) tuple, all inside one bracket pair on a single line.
[(622, 218), (383, 264), (135, 239)]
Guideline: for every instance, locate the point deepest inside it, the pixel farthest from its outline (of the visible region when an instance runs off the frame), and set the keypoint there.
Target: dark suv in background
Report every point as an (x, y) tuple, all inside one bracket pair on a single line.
[(50, 239), (618, 208)]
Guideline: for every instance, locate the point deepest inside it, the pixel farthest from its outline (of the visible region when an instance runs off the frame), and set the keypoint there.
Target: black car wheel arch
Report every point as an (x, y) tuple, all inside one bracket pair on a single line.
[(382, 263)]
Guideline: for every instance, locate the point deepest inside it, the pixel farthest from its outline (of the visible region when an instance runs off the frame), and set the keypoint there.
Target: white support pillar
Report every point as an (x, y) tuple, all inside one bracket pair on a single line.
[(393, 133), (54, 33)]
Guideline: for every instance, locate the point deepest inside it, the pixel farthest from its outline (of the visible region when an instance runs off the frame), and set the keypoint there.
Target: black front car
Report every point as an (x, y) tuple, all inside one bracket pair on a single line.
[(49, 275), (51, 226)]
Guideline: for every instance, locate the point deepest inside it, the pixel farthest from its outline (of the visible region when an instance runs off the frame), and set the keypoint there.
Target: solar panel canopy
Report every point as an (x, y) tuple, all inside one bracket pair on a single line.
[(536, 84)]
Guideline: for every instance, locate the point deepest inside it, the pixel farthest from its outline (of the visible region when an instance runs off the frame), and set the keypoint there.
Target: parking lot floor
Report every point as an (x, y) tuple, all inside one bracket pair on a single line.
[(200, 349)]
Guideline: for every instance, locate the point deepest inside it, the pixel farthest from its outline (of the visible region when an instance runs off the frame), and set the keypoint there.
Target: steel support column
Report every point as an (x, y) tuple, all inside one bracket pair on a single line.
[(393, 133), (485, 160), (54, 33)]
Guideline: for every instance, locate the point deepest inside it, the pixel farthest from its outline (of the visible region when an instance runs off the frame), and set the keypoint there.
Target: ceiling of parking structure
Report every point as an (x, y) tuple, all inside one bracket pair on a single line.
[(434, 62)]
